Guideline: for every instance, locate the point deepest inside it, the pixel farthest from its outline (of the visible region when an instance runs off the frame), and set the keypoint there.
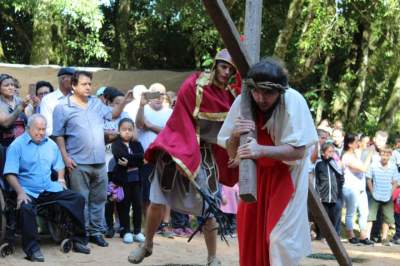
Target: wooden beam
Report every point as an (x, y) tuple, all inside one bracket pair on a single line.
[(252, 29), (224, 24), (321, 218), (230, 36)]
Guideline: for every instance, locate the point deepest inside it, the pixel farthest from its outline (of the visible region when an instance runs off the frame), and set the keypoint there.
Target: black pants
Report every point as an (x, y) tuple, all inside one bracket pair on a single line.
[(179, 220), (397, 223), (330, 209), (72, 202), (338, 215), (132, 197)]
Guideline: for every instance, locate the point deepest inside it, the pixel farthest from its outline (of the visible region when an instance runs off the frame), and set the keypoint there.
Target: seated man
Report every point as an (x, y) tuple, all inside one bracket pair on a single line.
[(29, 162)]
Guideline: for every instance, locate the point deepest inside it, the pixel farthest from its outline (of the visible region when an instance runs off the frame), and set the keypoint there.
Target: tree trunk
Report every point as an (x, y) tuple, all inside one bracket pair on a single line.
[(322, 97), (286, 33), (358, 95), (121, 55), (41, 41), (392, 106), (2, 57)]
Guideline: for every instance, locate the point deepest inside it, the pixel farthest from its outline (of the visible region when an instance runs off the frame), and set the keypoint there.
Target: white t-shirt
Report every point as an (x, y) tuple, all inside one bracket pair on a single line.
[(132, 108), (47, 105), (158, 118)]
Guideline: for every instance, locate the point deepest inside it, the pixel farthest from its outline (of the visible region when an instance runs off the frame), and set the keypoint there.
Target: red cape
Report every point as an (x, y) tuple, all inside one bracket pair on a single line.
[(179, 138)]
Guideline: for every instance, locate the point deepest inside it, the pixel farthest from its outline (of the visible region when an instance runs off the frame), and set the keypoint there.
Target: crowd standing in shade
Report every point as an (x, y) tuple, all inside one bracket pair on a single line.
[(86, 151)]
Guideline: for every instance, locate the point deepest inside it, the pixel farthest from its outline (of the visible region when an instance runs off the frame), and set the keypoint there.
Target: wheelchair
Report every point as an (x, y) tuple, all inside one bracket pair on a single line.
[(59, 223)]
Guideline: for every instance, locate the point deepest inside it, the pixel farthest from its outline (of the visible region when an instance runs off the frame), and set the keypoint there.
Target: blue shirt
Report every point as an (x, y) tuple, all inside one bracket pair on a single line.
[(382, 179), (32, 164), (82, 129)]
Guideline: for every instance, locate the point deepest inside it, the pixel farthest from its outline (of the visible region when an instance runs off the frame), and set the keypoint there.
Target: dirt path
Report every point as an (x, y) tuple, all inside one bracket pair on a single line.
[(178, 252)]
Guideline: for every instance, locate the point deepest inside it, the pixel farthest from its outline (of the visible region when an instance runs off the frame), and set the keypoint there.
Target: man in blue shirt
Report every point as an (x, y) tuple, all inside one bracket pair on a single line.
[(78, 128), (30, 160)]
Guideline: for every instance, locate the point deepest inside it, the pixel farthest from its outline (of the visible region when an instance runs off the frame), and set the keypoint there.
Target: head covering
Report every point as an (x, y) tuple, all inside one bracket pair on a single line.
[(138, 90), (157, 87), (66, 71), (100, 91), (224, 55)]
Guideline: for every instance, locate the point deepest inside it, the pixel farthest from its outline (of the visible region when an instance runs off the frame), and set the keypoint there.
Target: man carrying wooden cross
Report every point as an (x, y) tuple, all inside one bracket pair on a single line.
[(274, 230), (186, 155)]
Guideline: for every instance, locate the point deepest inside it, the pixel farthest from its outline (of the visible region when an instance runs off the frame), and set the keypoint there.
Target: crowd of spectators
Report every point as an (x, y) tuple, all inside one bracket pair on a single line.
[(358, 174), (86, 149)]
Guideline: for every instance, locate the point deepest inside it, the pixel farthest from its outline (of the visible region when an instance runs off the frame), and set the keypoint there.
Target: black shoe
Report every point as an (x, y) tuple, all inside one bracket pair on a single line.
[(354, 240), (98, 240), (110, 233), (81, 248), (366, 241), (36, 256)]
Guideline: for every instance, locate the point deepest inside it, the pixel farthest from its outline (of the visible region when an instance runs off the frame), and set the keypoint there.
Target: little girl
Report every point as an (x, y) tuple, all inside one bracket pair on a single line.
[(128, 154)]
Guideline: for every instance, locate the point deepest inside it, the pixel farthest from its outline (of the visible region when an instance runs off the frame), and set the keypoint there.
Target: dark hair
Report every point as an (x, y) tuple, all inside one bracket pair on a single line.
[(348, 139), (269, 69), (3, 77), (110, 93), (43, 83), (77, 74), (125, 120)]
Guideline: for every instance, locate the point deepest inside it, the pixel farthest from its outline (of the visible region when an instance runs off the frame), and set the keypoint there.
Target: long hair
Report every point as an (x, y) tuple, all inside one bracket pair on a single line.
[(348, 139)]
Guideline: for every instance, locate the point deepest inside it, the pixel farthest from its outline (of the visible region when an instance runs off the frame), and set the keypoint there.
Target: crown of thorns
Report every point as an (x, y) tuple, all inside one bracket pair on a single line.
[(265, 85)]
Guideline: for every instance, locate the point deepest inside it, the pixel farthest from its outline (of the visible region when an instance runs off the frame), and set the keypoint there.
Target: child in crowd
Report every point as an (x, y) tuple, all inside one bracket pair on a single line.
[(229, 205), (396, 202), (329, 181), (382, 179), (128, 154)]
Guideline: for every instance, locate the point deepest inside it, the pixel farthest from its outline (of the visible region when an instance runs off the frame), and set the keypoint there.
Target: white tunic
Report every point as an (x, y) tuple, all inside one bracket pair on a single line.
[(291, 123)]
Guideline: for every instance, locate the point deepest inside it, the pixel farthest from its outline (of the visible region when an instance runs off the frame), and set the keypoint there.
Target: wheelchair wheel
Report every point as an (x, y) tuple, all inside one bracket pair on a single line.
[(66, 245), (57, 234), (3, 221), (6, 249)]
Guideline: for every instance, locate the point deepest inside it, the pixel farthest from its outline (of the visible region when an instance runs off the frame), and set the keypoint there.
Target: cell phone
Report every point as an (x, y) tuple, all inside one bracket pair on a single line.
[(152, 95), (32, 90)]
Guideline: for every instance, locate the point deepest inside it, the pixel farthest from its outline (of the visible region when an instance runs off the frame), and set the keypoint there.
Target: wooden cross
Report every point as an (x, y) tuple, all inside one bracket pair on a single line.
[(225, 26)]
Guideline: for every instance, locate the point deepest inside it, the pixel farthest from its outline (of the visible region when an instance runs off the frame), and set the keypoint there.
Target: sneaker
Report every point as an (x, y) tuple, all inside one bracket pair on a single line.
[(110, 233), (188, 232), (354, 240), (179, 232), (366, 241), (396, 241), (128, 238), (213, 261), (386, 242), (139, 238)]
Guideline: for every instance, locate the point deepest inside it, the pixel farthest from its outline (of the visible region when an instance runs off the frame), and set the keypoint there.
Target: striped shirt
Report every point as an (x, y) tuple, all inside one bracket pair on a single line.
[(382, 179)]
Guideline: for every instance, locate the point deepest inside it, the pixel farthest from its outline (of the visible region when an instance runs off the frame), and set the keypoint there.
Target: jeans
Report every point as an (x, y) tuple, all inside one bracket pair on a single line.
[(91, 182), (397, 222), (356, 200)]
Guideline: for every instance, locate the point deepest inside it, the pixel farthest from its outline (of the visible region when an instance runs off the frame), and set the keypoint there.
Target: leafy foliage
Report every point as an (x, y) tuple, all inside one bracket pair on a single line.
[(342, 55)]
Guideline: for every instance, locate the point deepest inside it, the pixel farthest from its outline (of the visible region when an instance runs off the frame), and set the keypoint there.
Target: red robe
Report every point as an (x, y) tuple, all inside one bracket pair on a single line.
[(180, 137), (256, 220)]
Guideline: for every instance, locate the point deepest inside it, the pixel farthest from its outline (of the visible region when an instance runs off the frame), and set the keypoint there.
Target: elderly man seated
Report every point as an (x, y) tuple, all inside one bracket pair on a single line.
[(29, 162)]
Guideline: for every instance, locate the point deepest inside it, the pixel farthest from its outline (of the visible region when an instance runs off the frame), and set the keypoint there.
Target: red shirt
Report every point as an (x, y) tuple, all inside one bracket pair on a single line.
[(396, 200)]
